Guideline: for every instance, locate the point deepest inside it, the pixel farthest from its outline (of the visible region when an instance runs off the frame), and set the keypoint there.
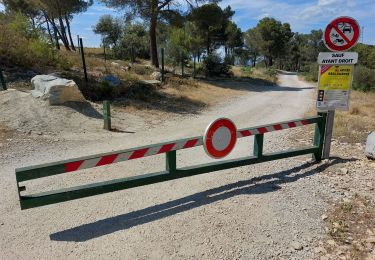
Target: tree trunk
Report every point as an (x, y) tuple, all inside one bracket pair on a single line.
[(49, 31), (254, 60), (69, 33), (63, 34), (153, 45), (208, 43), (270, 61), (55, 30)]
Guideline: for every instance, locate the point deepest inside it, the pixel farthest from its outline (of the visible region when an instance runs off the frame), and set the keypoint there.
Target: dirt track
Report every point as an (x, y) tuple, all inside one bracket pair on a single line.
[(253, 212)]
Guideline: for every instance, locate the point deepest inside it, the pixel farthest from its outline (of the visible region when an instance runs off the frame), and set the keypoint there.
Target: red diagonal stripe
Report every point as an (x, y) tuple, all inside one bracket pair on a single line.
[(277, 127), (191, 143), (108, 159), (262, 130), (342, 34), (166, 148), (304, 122), (292, 124), (245, 133), (139, 153), (73, 166)]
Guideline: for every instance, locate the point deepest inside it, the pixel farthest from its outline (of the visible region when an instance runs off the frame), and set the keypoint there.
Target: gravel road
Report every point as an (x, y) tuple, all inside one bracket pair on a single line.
[(264, 211)]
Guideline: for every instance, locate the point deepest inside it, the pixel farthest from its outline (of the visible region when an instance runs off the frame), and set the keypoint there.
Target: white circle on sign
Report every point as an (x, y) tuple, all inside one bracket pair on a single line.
[(221, 138)]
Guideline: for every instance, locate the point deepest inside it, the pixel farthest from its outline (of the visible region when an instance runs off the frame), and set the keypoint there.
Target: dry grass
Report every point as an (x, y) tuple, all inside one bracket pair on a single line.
[(177, 95), (354, 125), (351, 225), (207, 93), (261, 74)]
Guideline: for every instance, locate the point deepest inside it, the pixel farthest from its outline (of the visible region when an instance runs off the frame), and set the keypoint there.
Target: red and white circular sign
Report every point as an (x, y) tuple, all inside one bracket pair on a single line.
[(341, 34), (220, 138)]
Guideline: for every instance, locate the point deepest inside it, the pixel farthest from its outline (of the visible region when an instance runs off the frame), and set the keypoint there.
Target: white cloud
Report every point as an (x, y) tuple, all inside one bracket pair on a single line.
[(102, 9)]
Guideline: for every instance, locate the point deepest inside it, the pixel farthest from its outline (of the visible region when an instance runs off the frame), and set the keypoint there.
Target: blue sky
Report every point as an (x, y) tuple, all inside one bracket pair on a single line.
[(303, 15)]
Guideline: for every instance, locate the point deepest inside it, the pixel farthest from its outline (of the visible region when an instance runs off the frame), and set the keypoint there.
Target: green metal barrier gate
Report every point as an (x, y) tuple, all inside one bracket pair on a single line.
[(171, 172)]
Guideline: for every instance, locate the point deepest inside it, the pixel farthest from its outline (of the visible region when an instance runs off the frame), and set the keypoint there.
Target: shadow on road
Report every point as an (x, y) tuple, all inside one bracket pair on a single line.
[(256, 185), (85, 109), (254, 85)]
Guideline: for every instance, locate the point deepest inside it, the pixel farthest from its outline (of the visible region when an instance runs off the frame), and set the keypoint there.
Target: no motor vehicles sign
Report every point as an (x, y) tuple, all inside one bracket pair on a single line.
[(220, 138), (341, 34)]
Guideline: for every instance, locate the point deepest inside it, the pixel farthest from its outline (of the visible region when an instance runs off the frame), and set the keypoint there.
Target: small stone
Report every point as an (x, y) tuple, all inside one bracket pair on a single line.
[(344, 171), (331, 242), (320, 250), (369, 232), (371, 240), (296, 246), (324, 217)]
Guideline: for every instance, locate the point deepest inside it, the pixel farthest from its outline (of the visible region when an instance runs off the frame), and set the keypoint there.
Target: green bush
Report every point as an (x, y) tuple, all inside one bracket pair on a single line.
[(21, 45), (310, 72), (247, 71), (213, 66), (134, 41), (270, 72), (364, 79)]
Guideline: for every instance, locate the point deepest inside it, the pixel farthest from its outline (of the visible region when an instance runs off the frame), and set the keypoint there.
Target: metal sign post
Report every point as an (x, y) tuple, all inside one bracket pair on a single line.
[(336, 72)]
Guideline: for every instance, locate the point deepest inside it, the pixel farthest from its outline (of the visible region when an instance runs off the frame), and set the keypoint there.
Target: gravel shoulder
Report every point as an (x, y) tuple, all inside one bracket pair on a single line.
[(265, 211)]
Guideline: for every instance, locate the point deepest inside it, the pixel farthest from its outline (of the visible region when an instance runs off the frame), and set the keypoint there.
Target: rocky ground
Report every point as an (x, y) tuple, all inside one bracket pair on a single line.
[(286, 209), (349, 220)]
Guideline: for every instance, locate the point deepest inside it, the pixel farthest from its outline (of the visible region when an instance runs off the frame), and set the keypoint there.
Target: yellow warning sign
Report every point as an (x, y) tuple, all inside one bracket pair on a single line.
[(335, 77), (334, 87)]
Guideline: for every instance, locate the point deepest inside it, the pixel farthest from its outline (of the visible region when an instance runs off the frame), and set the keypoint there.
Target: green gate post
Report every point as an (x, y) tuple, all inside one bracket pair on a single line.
[(162, 65), (107, 115), (319, 136), (2, 79), (258, 145), (171, 164)]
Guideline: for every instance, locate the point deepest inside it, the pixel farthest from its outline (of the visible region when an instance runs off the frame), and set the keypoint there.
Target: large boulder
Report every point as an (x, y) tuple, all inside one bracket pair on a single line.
[(370, 146), (56, 90)]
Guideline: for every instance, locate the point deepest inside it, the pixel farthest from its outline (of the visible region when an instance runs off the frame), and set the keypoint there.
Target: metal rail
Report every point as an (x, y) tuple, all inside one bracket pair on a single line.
[(171, 172)]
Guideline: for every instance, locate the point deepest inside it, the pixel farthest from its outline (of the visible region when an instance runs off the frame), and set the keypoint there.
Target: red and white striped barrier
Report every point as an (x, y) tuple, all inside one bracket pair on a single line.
[(136, 153)]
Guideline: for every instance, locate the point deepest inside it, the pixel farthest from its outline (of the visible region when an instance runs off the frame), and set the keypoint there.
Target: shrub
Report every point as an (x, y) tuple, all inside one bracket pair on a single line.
[(364, 79), (310, 71), (24, 46), (212, 66), (270, 72)]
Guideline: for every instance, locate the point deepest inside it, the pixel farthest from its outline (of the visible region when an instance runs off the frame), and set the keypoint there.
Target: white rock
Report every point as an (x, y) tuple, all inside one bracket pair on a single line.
[(370, 146), (56, 90), (156, 75), (296, 246), (344, 171)]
